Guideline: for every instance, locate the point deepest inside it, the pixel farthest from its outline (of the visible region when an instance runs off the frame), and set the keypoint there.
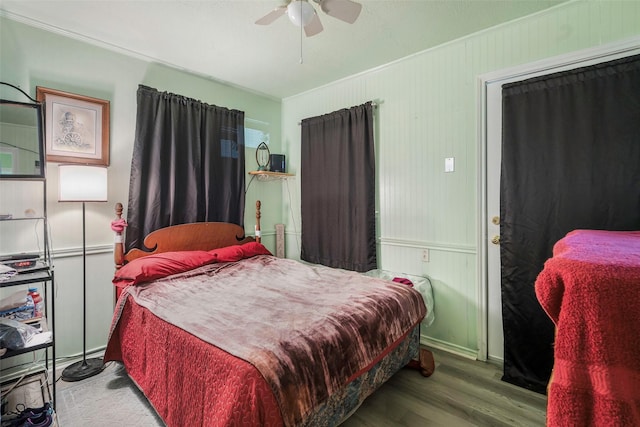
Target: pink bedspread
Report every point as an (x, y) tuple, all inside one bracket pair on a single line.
[(307, 329), (590, 288)]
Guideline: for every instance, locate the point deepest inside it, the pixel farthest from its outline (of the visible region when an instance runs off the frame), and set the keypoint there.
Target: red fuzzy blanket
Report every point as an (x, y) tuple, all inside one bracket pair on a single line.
[(590, 288)]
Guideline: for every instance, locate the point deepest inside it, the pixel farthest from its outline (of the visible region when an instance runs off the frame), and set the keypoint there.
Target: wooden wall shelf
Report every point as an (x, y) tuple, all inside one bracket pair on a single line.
[(268, 176)]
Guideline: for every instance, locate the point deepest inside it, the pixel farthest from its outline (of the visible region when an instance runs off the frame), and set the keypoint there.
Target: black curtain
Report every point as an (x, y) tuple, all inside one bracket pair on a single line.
[(570, 160), (187, 165), (338, 189)]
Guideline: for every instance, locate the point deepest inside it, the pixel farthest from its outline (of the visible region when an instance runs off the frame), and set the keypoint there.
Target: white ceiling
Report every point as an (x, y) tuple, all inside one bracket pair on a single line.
[(218, 38)]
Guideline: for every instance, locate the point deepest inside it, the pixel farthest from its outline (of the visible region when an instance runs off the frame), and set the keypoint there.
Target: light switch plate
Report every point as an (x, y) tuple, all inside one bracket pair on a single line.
[(449, 164)]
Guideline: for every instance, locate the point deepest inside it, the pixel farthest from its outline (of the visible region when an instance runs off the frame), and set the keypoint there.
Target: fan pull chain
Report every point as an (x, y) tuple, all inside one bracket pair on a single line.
[(301, 61)]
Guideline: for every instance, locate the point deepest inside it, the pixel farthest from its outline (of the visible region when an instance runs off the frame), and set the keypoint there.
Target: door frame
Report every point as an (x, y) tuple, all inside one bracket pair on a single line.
[(486, 114)]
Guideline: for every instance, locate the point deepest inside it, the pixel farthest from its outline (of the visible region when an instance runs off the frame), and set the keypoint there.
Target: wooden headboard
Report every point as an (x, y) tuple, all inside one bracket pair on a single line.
[(185, 237)]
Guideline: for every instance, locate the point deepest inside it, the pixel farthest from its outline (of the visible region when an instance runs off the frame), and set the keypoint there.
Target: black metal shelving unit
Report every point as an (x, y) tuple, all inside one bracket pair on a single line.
[(43, 272)]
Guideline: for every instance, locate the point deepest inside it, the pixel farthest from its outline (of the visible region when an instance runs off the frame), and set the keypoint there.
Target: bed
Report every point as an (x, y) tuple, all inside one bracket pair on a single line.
[(590, 289), (216, 331)]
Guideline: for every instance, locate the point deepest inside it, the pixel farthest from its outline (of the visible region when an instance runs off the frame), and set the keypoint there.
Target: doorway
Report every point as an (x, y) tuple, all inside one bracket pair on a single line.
[(491, 343)]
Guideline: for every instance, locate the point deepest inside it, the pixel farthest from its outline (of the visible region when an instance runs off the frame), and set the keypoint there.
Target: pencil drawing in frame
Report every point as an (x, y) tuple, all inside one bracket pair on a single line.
[(76, 127)]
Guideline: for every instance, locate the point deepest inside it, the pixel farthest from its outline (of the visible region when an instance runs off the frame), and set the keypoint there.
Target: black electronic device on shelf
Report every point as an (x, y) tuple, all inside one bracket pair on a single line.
[(17, 257), (277, 162), (24, 263)]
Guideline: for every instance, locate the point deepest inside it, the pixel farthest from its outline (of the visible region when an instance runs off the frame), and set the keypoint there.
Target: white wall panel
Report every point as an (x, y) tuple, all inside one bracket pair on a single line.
[(428, 111)]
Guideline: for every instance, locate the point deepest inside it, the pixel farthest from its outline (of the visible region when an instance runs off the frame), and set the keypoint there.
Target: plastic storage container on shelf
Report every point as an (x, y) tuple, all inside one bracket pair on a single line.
[(38, 302), (420, 284)]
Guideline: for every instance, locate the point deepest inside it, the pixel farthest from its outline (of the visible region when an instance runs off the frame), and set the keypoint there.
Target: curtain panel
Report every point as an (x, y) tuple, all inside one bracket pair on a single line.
[(338, 189), (570, 160), (187, 165)]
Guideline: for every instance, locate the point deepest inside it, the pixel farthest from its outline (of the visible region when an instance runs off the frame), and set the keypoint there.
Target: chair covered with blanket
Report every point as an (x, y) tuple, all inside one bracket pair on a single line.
[(590, 288)]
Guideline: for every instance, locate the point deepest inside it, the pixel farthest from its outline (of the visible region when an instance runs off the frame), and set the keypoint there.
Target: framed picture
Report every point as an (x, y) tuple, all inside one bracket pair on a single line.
[(76, 127)]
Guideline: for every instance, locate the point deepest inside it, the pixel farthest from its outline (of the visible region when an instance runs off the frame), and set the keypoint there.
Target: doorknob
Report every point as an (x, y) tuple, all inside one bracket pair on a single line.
[(496, 220), (495, 240)]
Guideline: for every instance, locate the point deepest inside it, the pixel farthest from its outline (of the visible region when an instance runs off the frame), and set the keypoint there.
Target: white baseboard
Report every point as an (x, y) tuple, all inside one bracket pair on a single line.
[(450, 348)]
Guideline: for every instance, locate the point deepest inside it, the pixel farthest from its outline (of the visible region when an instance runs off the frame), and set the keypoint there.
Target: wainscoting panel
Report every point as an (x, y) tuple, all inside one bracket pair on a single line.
[(428, 109)]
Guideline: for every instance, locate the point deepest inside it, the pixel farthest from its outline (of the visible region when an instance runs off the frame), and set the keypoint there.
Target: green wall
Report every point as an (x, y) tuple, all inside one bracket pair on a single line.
[(429, 108), (33, 57)]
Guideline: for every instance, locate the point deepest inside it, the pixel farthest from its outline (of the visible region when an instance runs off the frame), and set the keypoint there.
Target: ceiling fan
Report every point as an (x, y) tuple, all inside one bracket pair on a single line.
[(302, 13)]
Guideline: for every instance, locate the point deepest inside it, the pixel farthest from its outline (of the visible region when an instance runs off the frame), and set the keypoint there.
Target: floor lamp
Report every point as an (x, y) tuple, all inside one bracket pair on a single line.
[(78, 183)]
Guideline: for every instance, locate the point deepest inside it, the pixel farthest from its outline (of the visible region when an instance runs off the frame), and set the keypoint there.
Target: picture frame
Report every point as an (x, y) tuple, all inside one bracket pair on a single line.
[(76, 127)]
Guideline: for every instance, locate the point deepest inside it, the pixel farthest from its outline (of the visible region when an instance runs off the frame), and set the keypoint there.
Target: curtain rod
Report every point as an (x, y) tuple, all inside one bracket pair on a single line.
[(374, 104)]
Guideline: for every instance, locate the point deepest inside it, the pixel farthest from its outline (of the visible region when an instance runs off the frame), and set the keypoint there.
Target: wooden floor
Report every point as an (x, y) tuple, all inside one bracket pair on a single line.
[(461, 392)]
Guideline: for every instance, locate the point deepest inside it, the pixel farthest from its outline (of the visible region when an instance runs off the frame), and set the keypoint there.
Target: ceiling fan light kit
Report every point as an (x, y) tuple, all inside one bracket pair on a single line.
[(300, 12), (303, 14)]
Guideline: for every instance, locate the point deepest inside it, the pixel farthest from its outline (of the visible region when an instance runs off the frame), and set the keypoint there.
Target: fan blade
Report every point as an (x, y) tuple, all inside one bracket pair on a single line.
[(314, 26), (272, 16), (345, 10)]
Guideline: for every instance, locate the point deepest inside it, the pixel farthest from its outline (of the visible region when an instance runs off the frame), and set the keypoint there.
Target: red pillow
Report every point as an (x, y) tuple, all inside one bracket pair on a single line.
[(238, 252), (152, 267)]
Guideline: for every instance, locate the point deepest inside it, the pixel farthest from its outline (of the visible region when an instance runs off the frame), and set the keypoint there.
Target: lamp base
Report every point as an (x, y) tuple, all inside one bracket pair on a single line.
[(84, 369)]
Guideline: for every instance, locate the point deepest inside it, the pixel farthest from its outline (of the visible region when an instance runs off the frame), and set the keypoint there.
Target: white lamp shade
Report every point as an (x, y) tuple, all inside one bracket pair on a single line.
[(300, 12), (78, 183)]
